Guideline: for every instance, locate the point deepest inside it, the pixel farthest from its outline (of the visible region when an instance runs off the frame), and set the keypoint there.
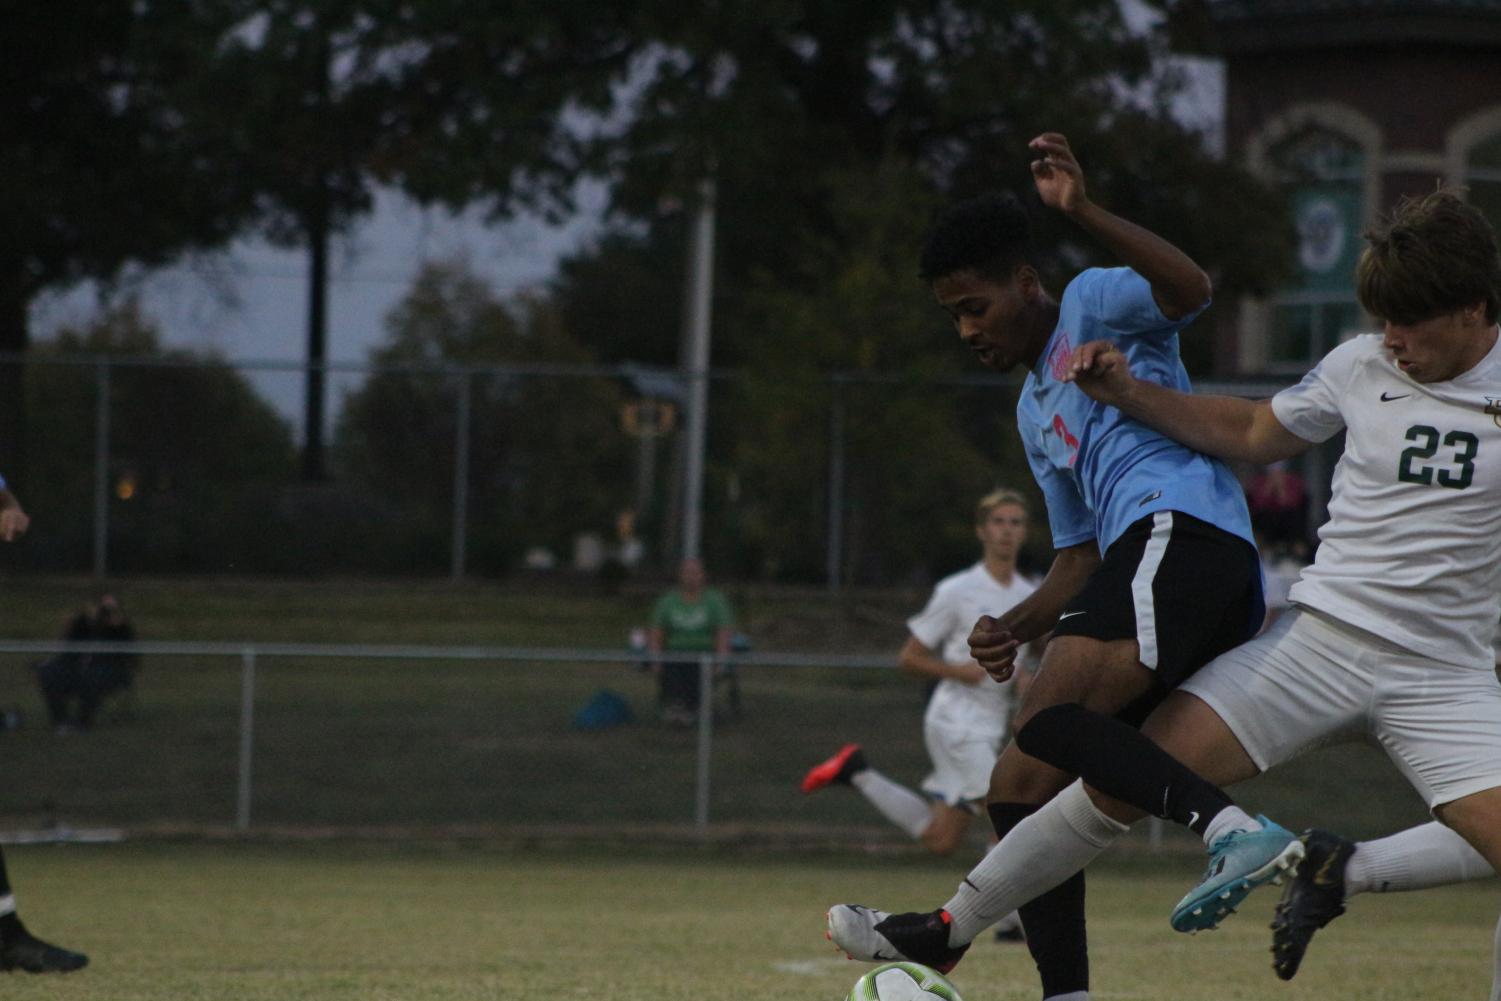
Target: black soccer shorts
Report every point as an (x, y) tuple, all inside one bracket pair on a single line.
[(1184, 589)]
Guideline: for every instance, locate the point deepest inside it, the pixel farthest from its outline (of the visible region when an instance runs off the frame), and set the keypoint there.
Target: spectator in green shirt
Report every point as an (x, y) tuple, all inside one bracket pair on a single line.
[(690, 619)]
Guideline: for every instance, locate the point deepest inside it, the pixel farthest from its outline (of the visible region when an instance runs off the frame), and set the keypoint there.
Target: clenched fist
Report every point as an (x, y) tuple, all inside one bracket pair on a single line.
[(993, 647)]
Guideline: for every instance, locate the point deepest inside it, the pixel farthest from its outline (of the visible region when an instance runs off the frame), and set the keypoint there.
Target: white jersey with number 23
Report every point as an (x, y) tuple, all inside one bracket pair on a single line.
[(1412, 548)]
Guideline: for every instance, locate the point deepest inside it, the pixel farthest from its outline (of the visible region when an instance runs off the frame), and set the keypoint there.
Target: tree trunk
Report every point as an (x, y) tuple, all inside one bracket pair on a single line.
[(313, 465), (15, 298), (317, 222)]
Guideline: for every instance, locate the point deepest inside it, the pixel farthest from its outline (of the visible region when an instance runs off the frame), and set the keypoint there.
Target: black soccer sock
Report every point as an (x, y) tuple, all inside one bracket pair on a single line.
[(10, 924), (1054, 921), (1004, 816), (1119, 761)]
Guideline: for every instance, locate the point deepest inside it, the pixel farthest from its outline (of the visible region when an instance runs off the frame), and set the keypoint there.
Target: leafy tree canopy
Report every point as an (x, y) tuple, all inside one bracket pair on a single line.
[(547, 456), (195, 454), (101, 163)]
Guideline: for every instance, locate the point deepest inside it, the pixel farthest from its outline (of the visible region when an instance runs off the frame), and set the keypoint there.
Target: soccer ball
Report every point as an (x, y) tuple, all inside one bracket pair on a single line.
[(903, 982)]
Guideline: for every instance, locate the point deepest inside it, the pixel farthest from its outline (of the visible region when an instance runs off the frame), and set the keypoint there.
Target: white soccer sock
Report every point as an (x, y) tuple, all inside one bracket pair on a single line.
[(7, 905), (1415, 859), (1062, 837), (903, 807), (1231, 818), (1070, 996)]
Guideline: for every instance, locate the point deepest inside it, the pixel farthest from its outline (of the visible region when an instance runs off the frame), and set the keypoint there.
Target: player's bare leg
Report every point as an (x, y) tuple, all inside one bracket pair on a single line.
[(1477, 818), (947, 829)]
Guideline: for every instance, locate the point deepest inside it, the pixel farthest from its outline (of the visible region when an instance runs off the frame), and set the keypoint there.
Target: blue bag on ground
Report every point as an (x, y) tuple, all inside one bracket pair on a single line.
[(603, 710)]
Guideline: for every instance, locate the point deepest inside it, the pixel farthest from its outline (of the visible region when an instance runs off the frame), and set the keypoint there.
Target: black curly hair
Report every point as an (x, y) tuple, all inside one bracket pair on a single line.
[(989, 235)]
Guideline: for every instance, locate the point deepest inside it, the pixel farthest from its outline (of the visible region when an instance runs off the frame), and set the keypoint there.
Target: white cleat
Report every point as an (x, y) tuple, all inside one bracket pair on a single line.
[(874, 936), (852, 929)]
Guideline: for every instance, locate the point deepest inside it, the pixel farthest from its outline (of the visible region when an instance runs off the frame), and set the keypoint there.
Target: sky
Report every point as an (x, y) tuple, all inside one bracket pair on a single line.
[(249, 302)]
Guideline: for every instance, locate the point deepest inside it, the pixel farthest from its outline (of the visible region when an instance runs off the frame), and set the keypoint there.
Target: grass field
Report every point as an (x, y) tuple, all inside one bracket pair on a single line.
[(563, 896), (448, 922)]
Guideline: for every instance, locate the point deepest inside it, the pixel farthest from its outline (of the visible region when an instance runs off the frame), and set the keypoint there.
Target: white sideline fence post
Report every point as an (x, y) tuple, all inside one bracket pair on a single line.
[(247, 731), (705, 742)]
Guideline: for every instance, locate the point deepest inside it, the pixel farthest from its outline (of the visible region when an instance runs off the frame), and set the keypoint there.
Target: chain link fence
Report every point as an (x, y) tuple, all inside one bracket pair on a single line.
[(324, 738), (178, 465)]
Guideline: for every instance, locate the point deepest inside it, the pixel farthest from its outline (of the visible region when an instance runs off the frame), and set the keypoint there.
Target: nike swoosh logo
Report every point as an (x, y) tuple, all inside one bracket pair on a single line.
[(1149, 497), (1322, 877), (1193, 817), (1400, 396), (1068, 615)]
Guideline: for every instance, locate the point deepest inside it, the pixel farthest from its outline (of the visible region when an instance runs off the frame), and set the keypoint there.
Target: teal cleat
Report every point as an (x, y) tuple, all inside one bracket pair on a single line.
[(1239, 862)]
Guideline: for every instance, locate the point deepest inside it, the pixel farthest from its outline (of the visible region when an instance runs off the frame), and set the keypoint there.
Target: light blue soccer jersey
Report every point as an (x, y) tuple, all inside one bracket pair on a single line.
[(1099, 470)]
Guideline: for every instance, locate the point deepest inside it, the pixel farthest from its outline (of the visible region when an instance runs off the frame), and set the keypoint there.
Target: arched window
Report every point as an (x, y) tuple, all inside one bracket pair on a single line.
[(1324, 175)]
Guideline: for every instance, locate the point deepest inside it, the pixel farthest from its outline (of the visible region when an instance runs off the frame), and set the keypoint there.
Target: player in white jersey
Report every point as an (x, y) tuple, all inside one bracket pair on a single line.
[(968, 714), (1389, 637), (1391, 633)]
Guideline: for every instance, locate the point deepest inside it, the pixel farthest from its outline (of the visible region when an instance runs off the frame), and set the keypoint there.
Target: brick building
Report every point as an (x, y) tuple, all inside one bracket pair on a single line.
[(1351, 104)]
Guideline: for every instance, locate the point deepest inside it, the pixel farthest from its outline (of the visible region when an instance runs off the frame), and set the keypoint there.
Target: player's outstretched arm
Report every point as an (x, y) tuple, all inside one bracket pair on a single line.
[(1178, 284), (917, 660), (1224, 426), (13, 519)]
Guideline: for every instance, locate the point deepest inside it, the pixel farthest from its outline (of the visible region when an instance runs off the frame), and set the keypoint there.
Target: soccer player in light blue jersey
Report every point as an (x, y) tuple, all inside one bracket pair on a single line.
[(1155, 572)]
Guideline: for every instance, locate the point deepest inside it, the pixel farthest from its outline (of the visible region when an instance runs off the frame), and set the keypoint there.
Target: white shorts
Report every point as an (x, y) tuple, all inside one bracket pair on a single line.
[(1310, 681), (962, 762)]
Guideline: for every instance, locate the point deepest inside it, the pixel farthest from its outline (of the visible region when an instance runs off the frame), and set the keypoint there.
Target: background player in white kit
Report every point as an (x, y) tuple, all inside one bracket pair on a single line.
[(968, 714), (1391, 636)]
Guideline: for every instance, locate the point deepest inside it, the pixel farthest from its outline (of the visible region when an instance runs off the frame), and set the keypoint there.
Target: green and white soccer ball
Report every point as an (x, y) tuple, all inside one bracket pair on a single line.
[(903, 982)]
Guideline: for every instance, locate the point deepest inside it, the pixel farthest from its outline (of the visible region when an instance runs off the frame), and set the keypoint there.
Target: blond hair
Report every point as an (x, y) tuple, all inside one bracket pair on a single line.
[(998, 498)]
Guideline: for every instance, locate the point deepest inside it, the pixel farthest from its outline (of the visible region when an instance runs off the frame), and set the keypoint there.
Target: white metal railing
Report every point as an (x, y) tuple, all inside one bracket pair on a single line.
[(249, 652)]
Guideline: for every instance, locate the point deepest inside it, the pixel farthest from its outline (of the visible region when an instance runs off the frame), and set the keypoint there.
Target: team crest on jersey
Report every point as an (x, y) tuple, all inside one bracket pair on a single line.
[(1493, 407), (1060, 428), (1058, 358)]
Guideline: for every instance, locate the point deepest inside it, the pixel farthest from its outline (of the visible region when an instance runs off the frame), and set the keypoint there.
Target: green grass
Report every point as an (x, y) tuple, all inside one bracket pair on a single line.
[(545, 611), (448, 922)]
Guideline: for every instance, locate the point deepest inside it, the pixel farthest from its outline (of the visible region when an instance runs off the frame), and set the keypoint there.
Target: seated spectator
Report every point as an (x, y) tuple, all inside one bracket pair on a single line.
[(690, 620), (75, 685)]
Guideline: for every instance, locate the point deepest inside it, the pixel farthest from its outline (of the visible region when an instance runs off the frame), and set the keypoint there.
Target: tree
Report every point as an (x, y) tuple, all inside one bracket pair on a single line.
[(832, 131), (196, 456), (777, 101), (918, 450), (298, 91), (547, 455), (624, 296), (100, 167)]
